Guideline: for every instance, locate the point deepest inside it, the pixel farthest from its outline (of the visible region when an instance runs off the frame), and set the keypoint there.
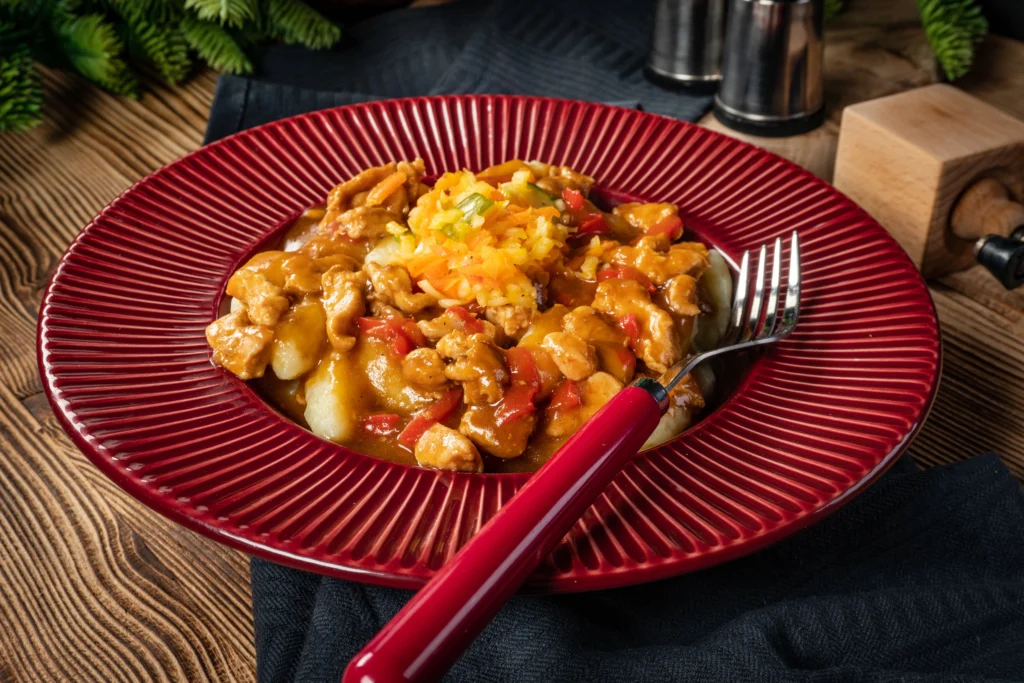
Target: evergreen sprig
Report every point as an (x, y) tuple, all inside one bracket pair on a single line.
[(953, 28), (21, 96), (107, 41)]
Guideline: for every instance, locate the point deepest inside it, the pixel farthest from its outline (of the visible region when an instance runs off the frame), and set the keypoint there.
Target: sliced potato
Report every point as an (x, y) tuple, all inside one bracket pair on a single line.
[(384, 373), (299, 340), (715, 288), (336, 395)]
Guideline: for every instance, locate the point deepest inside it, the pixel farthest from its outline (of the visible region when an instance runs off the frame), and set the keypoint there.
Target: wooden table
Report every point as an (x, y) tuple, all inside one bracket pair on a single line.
[(94, 586)]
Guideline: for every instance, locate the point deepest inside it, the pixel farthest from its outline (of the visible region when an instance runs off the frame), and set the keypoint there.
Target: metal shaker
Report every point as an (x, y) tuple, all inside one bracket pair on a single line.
[(686, 48), (772, 77)]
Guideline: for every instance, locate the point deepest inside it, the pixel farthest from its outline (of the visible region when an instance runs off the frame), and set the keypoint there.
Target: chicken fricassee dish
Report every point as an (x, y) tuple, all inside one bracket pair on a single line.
[(474, 325)]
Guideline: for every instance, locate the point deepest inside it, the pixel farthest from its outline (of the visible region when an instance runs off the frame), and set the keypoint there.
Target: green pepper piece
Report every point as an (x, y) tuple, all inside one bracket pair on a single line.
[(474, 205)]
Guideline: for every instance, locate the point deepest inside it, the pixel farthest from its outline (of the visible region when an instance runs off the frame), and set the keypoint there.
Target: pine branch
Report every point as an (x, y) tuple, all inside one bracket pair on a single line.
[(293, 21), (21, 95), (215, 45), (953, 28), (92, 48), (151, 39), (224, 12)]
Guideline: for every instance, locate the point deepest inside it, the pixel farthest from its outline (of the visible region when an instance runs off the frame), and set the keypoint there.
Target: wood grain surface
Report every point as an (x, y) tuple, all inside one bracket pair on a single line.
[(96, 587)]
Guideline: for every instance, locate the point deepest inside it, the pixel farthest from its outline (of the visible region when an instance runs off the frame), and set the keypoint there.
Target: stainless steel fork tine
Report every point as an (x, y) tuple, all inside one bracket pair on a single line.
[(739, 322), (771, 310), (739, 301), (792, 310), (755, 303)]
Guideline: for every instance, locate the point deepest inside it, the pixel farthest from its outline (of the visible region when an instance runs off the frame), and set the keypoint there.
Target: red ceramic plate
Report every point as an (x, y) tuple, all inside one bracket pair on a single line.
[(127, 369)]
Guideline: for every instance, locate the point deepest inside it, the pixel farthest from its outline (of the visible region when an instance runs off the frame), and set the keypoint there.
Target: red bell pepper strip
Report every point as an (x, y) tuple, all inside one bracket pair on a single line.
[(401, 335), (669, 225), (573, 199), (522, 366), (429, 416), (626, 273), (381, 423), (518, 402), (470, 323), (630, 325), (566, 396), (592, 225), (628, 361)]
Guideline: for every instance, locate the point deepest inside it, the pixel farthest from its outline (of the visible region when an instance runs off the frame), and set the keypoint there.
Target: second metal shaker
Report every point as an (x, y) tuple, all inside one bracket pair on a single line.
[(686, 48), (772, 77)]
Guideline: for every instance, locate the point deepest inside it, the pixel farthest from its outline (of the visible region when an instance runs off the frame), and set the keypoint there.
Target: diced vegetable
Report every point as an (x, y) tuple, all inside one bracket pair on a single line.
[(470, 323), (426, 418), (669, 225), (381, 424), (401, 335), (626, 273), (539, 195), (456, 231), (474, 205), (518, 401), (630, 326), (522, 366), (385, 188), (573, 199), (594, 224), (566, 396), (617, 361)]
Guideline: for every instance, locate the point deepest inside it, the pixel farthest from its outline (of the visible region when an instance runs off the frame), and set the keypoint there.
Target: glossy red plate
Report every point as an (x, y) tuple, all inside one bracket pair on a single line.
[(126, 367)]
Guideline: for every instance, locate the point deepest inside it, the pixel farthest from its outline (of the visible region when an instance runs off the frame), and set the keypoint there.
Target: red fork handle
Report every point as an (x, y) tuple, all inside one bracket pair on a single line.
[(425, 638)]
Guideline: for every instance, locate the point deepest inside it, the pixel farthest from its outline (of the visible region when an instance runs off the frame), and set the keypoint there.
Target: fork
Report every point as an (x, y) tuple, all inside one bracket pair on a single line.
[(426, 637)]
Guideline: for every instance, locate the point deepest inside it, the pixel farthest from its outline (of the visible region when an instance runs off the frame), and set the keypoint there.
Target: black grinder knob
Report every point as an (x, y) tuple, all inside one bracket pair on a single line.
[(1003, 257)]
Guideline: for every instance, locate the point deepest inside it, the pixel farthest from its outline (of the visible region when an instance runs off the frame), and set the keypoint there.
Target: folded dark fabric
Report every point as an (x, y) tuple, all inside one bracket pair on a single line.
[(920, 579), (574, 49)]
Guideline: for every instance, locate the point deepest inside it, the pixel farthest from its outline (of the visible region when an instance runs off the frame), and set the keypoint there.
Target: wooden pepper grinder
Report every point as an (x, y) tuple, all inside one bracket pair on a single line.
[(943, 172)]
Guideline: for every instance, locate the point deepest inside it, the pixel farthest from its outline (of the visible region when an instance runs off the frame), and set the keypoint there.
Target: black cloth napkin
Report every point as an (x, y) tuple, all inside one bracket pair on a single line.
[(919, 579), (578, 49)]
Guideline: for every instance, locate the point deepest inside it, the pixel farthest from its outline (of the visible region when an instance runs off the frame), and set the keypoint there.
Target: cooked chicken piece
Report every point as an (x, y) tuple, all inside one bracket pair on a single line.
[(302, 274), (365, 222), (645, 216), (264, 300), (414, 171), (343, 303), (681, 296), (587, 324), (575, 358), (481, 369), (299, 339), (381, 310), (335, 396), (339, 199), (684, 400), (513, 320), (506, 441), (439, 326), (554, 179), (392, 285), (239, 346), (444, 448), (424, 367), (658, 345), (457, 343), (335, 250), (595, 391), (683, 258)]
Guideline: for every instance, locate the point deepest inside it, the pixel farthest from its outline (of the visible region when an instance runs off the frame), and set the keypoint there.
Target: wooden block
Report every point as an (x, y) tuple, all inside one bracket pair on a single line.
[(907, 158)]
